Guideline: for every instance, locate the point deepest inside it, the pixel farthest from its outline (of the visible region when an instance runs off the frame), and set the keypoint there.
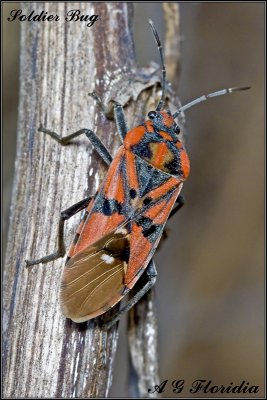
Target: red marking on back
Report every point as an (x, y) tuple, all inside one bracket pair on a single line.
[(167, 119), (179, 145), (139, 250), (116, 191), (159, 213), (134, 136), (71, 251), (149, 126), (113, 175), (185, 163), (97, 226), (131, 170), (164, 188), (165, 135), (159, 156), (154, 210)]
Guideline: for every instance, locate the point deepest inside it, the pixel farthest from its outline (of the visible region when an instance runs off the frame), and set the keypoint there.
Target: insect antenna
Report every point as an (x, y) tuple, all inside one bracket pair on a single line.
[(208, 96), (156, 36)]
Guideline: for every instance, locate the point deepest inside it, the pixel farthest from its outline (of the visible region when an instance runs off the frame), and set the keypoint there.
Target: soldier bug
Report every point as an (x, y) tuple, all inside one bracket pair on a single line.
[(124, 221)]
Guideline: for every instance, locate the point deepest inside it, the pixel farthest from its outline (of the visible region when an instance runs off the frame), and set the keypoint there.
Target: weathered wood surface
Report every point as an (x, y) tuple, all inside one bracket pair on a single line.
[(142, 321), (46, 355), (172, 41)]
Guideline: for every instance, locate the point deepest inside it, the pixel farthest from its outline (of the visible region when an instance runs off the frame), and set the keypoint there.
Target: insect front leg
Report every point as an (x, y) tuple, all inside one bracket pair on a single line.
[(151, 276), (96, 142), (61, 250), (120, 121), (118, 113)]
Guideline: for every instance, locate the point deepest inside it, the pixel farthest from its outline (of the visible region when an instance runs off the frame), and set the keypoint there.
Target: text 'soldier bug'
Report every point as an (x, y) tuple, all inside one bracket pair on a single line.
[(124, 221)]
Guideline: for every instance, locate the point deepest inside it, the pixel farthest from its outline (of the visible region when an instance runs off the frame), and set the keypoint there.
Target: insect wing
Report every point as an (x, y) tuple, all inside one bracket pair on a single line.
[(147, 229), (97, 278), (118, 237), (104, 214), (93, 280)]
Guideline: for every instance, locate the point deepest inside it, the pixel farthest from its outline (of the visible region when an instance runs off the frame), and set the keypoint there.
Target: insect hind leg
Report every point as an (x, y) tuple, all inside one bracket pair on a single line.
[(96, 142), (151, 276), (61, 250)]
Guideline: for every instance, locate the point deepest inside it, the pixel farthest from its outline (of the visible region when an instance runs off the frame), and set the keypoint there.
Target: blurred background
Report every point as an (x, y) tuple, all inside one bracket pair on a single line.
[(210, 289)]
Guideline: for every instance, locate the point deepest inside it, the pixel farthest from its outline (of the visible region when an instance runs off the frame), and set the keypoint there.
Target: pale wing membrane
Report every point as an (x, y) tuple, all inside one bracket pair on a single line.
[(94, 278)]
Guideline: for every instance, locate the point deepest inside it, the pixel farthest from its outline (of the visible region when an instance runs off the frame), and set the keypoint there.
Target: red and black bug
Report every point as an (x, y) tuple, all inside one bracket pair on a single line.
[(122, 226)]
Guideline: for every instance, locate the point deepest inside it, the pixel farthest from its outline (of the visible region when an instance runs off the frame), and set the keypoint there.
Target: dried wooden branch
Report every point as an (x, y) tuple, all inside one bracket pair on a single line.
[(172, 41), (142, 321), (46, 355)]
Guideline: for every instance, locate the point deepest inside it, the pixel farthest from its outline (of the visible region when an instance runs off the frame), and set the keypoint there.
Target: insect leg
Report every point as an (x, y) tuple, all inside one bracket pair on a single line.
[(118, 113), (151, 276), (61, 250), (120, 121), (99, 102), (178, 206), (96, 142)]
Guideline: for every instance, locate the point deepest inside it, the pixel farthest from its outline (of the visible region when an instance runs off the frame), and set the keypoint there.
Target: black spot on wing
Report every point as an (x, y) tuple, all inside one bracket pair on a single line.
[(144, 222), (108, 206), (147, 201), (152, 232), (133, 193), (149, 230), (174, 166), (129, 193)]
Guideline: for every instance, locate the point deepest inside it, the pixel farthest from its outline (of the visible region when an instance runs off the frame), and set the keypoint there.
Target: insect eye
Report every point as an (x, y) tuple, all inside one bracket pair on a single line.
[(177, 130), (152, 114)]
